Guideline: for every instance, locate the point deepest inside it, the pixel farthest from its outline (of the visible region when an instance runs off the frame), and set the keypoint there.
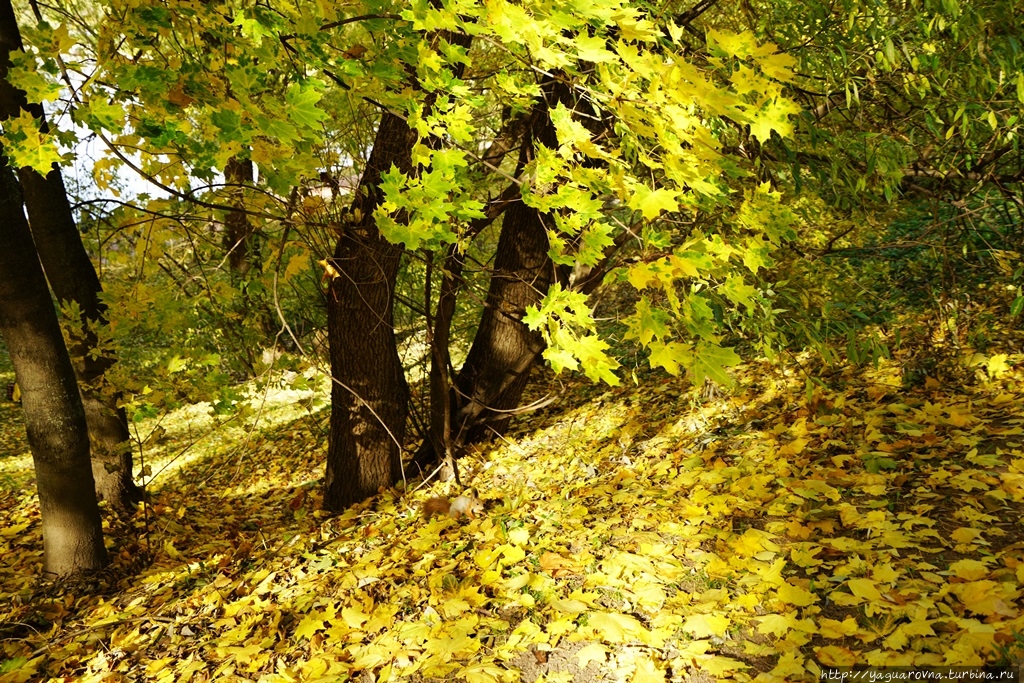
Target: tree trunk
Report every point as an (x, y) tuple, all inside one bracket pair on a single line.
[(54, 417), (73, 278), (441, 398), (237, 228), (492, 380), (369, 396)]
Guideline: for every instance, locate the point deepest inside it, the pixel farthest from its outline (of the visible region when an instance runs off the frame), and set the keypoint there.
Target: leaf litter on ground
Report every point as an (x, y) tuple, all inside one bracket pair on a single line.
[(634, 534)]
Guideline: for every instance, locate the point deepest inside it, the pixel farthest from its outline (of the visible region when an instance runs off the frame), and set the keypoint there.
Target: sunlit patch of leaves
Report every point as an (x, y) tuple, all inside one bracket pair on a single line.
[(630, 531)]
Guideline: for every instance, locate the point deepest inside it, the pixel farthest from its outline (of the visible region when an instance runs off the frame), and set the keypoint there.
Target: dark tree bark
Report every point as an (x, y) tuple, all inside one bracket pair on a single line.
[(439, 440), (54, 417), (504, 350), (73, 278), (369, 396), (237, 228), (492, 380), (481, 400)]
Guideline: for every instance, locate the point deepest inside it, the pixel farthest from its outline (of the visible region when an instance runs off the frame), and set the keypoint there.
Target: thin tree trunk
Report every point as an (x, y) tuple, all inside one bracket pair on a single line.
[(237, 228), (369, 396), (54, 417), (439, 437), (73, 278)]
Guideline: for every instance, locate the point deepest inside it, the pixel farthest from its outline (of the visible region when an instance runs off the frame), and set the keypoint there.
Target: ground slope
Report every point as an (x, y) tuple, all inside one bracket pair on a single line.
[(636, 534)]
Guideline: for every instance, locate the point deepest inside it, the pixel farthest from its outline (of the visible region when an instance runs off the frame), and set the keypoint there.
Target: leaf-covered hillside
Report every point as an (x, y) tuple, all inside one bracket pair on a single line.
[(631, 535)]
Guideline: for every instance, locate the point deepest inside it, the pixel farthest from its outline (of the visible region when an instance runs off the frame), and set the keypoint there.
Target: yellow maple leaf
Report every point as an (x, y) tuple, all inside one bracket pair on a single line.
[(834, 655), (997, 365), (920, 627), (519, 536), (897, 640), (794, 447), (652, 202), (966, 535), (309, 625), (777, 625), (453, 607), (794, 595), (706, 625), (983, 597), (884, 573), (790, 665), (971, 570), (354, 617), (959, 416), (778, 66), (330, 272), (721, 667), (512, 554), (864, 588), (568, 606), (448, 648), (753, 541), (615, 627), (594, 652), (832, 628), (649, 595), (483, 672), (647, 672), (773, 116)]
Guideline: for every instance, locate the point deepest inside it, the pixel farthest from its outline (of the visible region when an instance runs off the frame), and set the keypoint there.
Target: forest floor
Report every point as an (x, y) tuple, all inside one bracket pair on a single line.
[(638, 533)]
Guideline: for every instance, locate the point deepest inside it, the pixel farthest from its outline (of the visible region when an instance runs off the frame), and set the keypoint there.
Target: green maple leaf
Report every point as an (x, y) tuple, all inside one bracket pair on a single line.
[(534, 318), (596, 238), (26, 75), (409, 233), (25, 145), (689, 263), (755, 255), (591, 48), (597, 365), (739, 292), (228, 121), (711, 360), (251, 27), (647, 323), (652, 202), (569, 131), (105, 114), (276, 127), (774, 116), (560, 359), (302, 107), (670, 355), (700, 319)]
